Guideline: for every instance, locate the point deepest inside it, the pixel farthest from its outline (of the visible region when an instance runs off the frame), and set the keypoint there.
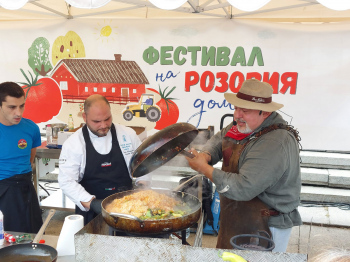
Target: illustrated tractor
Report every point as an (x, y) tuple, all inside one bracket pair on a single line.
[(144, 108)]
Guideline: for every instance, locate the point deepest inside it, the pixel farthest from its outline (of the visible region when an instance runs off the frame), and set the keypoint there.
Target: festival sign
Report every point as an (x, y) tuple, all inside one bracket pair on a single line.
[(156, 74)]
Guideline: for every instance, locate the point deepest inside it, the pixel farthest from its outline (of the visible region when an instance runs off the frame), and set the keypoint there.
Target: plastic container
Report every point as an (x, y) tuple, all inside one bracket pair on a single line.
[(70, 122), (259, 242), (1, 228), (48, 134)]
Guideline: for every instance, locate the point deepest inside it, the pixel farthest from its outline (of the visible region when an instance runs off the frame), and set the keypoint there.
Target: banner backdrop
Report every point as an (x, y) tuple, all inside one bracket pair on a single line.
[(182, 68)]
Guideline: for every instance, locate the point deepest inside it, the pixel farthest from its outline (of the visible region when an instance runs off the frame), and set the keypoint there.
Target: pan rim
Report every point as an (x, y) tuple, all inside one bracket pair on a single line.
[(194, 210), (25, 246), (154, 147)]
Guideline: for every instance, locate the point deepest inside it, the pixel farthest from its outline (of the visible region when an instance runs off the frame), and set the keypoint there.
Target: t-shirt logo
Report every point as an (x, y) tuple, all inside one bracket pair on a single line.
[(22, 144), (106, 164)]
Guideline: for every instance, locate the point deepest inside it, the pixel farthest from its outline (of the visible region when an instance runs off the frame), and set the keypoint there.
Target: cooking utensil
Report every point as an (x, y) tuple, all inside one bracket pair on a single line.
[(187, 182), (32, 251), (158, 149), (134, 225), (60, 126), (223, 118)]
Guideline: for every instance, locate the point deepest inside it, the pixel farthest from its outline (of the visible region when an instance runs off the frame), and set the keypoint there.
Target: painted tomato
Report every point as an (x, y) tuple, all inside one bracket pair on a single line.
[(170, 111), (43, 99)]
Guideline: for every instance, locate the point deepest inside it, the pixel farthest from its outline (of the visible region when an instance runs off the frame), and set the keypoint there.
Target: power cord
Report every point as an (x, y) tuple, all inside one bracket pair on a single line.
[(47, 192), (48, 188), (47, 184)]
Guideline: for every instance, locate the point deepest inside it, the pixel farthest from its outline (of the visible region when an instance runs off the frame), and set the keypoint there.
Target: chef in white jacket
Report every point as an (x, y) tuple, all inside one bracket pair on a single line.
[(94, 161)]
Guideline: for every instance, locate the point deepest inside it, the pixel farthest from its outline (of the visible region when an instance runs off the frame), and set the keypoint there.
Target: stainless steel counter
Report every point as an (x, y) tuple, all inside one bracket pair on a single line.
[(93, 247), (43, 152), (57, 200)]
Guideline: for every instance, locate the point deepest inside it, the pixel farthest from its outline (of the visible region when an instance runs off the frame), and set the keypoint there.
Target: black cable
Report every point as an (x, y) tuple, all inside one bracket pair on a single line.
[(47, 192), (51, 188)]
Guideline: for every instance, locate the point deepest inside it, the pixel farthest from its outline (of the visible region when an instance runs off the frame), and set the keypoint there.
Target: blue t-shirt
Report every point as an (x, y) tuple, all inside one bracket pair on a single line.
[(16, 143)]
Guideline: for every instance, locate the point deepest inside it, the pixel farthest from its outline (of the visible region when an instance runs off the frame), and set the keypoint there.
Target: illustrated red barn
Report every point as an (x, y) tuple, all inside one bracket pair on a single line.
[(119, 81)]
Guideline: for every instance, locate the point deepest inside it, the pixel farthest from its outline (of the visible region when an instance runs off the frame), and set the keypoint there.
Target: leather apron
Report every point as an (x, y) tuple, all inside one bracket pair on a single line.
[(19, 204), (238, 217), (104, 174)]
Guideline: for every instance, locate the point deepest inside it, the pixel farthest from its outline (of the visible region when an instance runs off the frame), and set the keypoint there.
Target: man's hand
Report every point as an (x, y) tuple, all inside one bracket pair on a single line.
[(200, 163), (207, 156), (87, 204), (143, 184)]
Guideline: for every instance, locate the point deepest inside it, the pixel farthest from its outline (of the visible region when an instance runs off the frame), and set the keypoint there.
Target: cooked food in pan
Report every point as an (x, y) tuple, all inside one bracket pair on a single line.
[(149, 205)]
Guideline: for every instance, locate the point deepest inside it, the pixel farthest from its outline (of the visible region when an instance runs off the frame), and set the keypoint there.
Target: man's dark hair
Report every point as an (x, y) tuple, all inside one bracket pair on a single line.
[(10, 89)]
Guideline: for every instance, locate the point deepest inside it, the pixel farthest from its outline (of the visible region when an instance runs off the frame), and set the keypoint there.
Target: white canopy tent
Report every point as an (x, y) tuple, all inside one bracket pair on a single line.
[(274, 11)]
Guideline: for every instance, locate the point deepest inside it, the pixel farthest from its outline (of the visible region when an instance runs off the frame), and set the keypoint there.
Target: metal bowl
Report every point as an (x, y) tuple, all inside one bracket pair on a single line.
[(61, 126)]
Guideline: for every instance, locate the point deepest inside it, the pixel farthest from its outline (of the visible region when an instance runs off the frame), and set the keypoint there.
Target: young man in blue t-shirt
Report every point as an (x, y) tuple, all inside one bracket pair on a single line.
[(19, 138)]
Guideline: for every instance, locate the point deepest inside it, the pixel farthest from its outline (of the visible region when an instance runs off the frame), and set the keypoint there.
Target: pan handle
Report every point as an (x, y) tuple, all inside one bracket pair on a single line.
[(43, 227), (117, 215), (187, 182), (186, 153)]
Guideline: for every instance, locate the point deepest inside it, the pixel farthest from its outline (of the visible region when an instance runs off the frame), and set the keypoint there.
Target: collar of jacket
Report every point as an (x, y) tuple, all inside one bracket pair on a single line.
[(274, 118)]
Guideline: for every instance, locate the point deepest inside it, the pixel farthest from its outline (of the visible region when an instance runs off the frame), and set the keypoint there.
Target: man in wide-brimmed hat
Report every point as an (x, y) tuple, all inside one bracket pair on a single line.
[(259, 183)]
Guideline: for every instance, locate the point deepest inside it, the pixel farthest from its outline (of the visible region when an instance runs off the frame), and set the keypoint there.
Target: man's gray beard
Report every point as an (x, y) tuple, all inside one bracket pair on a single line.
[(246, 130)]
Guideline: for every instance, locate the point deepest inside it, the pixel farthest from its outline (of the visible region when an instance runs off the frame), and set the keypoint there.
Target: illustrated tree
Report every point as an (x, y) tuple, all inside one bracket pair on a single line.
[(38, 56)]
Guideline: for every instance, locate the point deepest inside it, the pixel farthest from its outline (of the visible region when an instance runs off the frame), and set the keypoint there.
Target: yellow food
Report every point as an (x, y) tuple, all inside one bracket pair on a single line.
[(228, 256), (146, 204)]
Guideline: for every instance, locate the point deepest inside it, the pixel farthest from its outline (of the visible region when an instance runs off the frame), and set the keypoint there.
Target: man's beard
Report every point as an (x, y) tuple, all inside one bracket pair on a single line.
[(96, 133), (246, 130)]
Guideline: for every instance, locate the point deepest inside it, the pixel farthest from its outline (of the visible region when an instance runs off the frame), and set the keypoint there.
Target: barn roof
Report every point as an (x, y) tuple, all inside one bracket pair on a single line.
[(104, 71)]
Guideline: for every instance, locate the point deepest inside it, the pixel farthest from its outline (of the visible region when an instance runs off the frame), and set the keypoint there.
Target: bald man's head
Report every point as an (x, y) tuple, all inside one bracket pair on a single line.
[(93, 99), (97, 115)]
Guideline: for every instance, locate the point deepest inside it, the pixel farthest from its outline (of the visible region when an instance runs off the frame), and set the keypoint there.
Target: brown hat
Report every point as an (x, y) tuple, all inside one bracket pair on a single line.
[(254, 94)]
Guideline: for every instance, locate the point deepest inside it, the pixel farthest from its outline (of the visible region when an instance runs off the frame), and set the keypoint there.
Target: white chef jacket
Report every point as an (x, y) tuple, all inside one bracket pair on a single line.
[(72, 160)]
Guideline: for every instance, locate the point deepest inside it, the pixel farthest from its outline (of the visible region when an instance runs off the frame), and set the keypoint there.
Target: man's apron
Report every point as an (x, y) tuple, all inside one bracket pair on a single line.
[(104, 174), (19, 204), (238, 217)]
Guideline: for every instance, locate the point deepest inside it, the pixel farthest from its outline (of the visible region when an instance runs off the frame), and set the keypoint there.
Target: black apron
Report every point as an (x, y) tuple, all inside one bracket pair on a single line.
[(104, 174), (19, 204)]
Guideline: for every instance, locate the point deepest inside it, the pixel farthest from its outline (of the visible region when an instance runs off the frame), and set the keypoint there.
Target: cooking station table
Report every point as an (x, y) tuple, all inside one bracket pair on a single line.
[(56, 200), (43, 152), (98, 247), (94, 243)]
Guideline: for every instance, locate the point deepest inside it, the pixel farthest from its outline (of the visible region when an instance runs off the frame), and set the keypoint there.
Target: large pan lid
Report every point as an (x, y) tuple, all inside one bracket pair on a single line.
[(161, 147)]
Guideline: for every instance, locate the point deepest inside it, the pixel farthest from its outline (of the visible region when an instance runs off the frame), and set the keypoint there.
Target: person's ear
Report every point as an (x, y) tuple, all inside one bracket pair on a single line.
[(265, 114), (84, 116)]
